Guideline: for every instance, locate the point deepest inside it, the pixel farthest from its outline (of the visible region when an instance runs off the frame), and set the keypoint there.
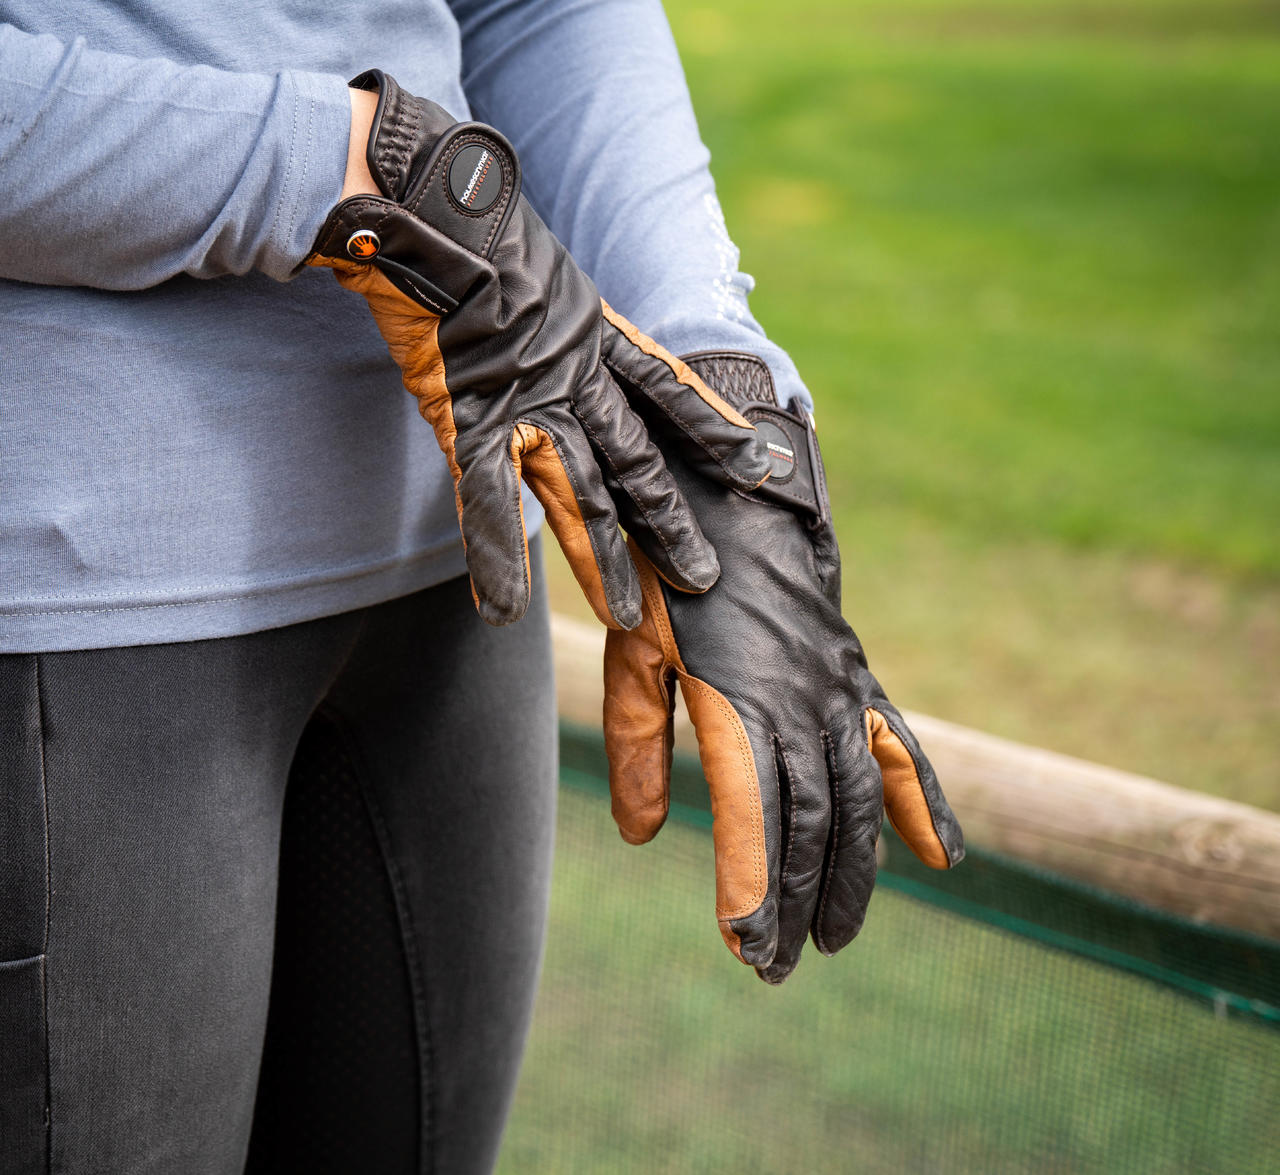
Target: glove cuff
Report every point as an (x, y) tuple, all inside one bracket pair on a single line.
[(796, 477), (448, 191), (740, 378), (405, 130)]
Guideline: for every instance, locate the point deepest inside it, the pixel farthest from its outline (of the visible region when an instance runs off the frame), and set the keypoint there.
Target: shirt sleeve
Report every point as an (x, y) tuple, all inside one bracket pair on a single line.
[(120, 172), (595, 100)]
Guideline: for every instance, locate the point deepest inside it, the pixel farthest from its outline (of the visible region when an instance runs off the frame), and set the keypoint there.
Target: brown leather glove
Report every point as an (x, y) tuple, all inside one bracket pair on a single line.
[(498, 334), (802, 750)]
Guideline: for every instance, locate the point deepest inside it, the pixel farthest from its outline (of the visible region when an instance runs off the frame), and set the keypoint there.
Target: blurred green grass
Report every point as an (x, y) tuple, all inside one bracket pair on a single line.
[(1027, 257), (932, 1044)]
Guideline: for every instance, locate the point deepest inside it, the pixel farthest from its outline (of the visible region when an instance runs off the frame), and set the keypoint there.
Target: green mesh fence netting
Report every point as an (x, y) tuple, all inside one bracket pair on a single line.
[(993, 1019)]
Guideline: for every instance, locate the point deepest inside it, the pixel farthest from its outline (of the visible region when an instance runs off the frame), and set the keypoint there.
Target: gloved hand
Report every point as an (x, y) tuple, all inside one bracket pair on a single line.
[(498, 333), (801, 749)]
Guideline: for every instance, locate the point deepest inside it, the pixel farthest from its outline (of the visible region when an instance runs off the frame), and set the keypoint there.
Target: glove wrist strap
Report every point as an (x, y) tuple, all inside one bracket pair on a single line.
[(448, 191), (796, 477)]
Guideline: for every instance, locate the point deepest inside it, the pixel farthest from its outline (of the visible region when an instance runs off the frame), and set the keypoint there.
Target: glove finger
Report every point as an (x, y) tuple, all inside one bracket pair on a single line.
[(719, 441), (487, 493), (638, 705), (639, 666), (742, 780), (913, 801), (491, 517), (849, 870), (805, 820), (648, 501), (555, 458)]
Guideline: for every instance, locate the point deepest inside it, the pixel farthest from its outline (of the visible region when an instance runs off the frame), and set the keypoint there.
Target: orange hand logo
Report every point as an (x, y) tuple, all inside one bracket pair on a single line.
[(363, 244)]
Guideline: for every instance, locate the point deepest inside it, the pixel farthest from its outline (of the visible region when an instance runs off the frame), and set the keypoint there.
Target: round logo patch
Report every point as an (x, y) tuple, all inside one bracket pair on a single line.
[(782, 454), (363, 244), (475, 178)]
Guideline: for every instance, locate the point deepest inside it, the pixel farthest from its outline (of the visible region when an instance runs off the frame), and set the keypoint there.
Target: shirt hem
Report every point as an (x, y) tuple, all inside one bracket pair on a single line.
[(99, 624)]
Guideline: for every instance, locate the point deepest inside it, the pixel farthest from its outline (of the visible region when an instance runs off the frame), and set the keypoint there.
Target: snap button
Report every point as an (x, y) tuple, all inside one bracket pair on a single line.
[(363, 244)]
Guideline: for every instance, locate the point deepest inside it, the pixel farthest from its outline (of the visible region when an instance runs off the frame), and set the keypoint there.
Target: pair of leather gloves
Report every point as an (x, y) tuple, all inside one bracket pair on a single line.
[(729, 582)]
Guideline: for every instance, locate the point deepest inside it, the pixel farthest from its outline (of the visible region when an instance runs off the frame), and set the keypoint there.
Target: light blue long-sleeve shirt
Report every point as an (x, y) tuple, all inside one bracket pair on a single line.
[(199, 439)]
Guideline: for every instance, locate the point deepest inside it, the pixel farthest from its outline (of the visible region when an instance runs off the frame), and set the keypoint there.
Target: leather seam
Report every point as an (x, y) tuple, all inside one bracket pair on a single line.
[(546, 435), (933, 824), (833, 785), (781, 752), (744, 748), (518, 438), (686, 426), (652, 591), (700, 388), (654, 530)]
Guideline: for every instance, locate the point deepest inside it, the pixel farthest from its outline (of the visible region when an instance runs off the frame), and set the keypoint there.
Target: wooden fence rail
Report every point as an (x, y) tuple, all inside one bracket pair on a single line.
[(1191, 854)]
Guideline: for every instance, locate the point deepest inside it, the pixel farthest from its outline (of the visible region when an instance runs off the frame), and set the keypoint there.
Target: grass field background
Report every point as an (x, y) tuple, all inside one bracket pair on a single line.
[(1027, 256)]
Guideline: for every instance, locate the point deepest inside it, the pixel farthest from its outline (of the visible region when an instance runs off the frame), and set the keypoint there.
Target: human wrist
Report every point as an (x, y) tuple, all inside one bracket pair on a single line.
[(358, 180)]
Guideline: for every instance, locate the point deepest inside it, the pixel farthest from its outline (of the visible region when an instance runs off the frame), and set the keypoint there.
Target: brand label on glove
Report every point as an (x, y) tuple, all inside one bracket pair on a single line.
[(782, 455), (475, 178), (363, 244)]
